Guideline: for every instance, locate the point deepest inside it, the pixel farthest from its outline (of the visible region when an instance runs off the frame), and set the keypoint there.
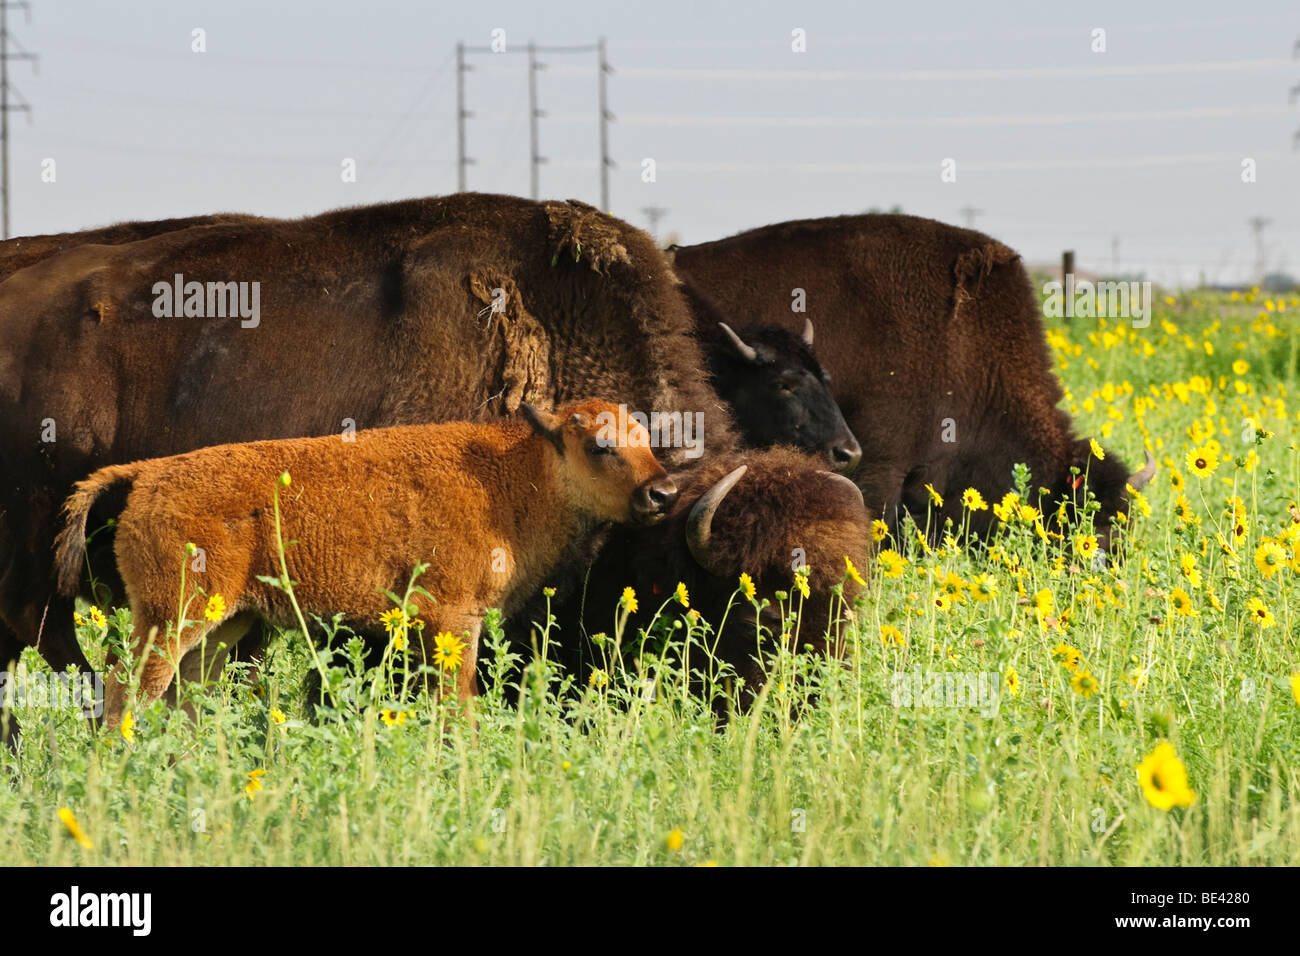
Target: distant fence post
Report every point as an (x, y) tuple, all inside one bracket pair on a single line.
[(1067, 268)]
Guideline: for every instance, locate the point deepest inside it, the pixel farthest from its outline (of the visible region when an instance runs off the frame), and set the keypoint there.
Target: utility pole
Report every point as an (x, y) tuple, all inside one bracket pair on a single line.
[(462, 114), (534, 114), (970, 212), (1114, 255), (654, 214), (605, 117), (1257, 223), (5, 105)]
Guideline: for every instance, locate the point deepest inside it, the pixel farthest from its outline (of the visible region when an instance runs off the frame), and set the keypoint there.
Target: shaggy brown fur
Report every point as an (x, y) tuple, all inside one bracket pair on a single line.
[(784, 507), (24, 251), (493, 508), (373, 314), (918, 323)]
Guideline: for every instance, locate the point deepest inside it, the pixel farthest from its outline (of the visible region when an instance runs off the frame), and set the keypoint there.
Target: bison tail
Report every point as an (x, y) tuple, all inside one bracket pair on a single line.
[(70, 545)]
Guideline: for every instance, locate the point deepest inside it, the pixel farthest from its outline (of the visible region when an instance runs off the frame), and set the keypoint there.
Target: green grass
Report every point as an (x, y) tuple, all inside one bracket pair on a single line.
[(824, 770)]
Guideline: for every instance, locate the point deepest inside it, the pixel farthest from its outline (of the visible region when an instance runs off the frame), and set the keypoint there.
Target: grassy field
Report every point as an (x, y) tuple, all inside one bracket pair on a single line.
[(1179, 658)]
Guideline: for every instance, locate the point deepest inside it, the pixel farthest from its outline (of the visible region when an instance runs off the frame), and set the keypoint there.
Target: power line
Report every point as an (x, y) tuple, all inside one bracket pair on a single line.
[(604, 116), (960, 120), (1027, 73), (5, 106)]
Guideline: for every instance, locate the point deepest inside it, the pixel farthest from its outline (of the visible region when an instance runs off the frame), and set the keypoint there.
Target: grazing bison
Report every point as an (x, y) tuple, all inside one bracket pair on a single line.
[(461, 307), (492, 508), (933, 337), (761, 513)]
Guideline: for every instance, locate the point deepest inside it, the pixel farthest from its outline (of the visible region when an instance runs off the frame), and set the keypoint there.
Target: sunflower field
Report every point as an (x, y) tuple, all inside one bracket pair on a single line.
[(1025, 700)]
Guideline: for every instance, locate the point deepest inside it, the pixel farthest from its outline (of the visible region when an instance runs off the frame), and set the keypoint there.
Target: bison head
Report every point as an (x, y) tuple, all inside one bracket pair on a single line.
[(761, 513), (611, 476), (779, 393)]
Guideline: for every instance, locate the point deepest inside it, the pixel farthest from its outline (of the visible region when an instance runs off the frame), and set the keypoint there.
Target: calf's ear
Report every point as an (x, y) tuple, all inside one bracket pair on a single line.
[(544, 424)]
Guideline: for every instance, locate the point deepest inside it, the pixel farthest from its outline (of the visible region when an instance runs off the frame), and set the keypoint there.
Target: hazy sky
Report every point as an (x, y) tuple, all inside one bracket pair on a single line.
[(1057, 145)]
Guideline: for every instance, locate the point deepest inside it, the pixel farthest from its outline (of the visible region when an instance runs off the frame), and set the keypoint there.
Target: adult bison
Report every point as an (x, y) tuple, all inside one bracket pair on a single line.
[(761, 513), (934, 341), (462, 307)]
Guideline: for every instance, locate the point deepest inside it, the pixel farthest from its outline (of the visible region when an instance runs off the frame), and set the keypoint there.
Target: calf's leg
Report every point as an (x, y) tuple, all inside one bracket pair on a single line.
[(157, 655), (203, 663)]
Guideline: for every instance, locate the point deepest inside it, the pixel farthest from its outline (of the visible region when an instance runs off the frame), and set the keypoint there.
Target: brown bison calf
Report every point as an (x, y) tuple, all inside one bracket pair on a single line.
[(493, 508)]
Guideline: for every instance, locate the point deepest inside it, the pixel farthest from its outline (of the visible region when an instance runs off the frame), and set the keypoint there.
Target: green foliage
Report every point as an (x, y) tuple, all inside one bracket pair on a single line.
[(823, 768)]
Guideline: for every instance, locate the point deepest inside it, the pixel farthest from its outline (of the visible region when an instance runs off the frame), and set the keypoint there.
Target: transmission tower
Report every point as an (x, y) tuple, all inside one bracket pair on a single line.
[(6, 89)]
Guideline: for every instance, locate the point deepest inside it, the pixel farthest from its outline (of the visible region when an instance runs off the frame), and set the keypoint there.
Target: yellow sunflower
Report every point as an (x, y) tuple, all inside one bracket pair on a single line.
[(983, 587), (1182, 602), (78, 834), (1270, 558), (216, 608), (891, 636), (853, 572), (448, 651), (892, 564), (1164, 779), (1202, 461), (1085, 685), (1259, 613), (1070, 656)]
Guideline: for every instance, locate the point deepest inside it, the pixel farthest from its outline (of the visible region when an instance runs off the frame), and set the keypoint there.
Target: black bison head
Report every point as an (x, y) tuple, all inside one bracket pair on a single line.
[(779, 393)]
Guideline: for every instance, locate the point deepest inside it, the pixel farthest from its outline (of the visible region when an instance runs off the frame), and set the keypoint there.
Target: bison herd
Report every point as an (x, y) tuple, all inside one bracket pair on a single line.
[(930, 368)]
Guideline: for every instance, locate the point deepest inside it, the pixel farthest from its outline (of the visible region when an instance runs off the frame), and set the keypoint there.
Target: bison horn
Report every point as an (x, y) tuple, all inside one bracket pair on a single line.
[(699, 523), (1139, 479), (747, 353), (848, 483), (807, 332)]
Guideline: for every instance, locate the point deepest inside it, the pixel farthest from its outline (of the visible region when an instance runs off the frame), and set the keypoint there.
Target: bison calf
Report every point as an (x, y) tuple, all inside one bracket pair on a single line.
[(493, 508)]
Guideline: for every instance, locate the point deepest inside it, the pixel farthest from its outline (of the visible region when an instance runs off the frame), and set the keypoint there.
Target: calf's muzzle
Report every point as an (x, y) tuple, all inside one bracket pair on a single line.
[(652, 501)]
